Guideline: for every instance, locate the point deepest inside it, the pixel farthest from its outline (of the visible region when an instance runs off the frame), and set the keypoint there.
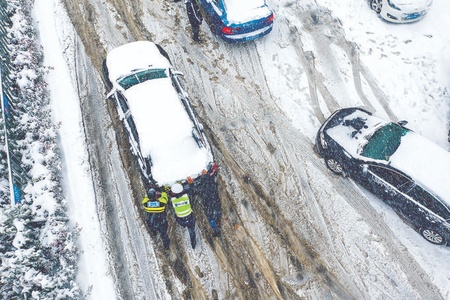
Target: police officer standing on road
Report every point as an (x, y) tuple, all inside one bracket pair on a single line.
[(155, 206), (195, 18), (183, 211)]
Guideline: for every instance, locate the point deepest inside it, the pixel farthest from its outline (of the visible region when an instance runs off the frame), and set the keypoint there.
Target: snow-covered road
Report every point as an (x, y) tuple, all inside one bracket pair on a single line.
[(290, 228)]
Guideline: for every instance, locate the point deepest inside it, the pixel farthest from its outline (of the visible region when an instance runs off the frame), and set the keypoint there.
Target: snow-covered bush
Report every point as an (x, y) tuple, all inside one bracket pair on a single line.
[(38, 255)]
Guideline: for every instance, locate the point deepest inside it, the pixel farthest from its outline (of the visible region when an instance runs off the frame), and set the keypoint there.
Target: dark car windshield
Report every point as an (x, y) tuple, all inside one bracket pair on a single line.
[(384, 142), (142, 76)]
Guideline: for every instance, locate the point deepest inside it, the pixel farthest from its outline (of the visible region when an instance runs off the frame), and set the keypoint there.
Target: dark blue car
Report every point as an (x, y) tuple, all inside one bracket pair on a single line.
[(407, 171), (237, 20)]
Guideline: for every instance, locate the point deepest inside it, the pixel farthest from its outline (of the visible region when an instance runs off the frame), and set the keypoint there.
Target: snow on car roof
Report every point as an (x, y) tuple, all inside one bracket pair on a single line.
[(426, 162), (343, 135), (165, 131), (241, 11), (136, 55)]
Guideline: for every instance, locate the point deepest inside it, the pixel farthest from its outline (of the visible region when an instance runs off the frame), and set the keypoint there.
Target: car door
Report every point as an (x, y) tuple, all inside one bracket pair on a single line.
[(391, 186), (132, 132), (121, 105), (429, 211), (127, 119)]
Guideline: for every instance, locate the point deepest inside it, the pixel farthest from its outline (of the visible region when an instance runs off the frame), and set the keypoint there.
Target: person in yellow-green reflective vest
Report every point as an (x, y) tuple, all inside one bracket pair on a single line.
[(155, 206), (183, 211)]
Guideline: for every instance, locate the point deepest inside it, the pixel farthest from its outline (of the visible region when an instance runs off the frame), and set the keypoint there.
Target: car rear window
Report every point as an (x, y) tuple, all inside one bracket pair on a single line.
[(384, 142), (142, 76)]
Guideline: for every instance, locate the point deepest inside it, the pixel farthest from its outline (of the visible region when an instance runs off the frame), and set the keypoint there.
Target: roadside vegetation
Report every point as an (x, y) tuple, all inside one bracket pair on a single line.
[(38, 253)]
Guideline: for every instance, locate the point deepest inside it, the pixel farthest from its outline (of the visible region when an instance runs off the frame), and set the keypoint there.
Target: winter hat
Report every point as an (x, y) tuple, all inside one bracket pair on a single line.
[(151, 193), (177, 188)]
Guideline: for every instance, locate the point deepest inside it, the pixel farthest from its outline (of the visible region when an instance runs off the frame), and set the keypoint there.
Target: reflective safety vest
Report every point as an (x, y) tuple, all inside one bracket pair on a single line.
[(182, 206), (156, 206)]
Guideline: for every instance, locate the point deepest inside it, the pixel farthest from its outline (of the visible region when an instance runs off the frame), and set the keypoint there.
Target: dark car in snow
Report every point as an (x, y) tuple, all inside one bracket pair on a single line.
[(406, 170), (237, 20)]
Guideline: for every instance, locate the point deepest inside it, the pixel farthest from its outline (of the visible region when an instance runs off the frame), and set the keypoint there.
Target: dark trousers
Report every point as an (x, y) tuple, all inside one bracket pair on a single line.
[(157, 222), (211, 202), (195, 17), (189, 222)]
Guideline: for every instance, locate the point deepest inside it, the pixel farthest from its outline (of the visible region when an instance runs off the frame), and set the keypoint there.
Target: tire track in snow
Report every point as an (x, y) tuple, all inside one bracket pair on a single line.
[(249, 127), (106, 210), (325, 31), (132, 272), (315, 84)]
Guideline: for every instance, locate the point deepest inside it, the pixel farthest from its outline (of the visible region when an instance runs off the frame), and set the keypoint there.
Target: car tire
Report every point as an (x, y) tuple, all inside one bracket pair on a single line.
[(376, 5), (432, 236), (316, 149), (334, 166), (106, 75), (163, 52)]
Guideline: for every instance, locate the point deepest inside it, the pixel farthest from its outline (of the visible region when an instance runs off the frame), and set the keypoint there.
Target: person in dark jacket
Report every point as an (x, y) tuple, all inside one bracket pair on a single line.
[(155, 206), (183, 212), (195, 18), (209, 195)]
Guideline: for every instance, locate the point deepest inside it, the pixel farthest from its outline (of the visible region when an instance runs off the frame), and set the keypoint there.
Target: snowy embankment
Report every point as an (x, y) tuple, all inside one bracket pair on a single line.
[(93, 275), (37, 250)]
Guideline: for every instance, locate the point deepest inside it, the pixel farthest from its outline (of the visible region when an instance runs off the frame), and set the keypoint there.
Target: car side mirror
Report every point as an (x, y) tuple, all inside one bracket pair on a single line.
[(177, 73), (365, 169), (402, 122), (112, 92)]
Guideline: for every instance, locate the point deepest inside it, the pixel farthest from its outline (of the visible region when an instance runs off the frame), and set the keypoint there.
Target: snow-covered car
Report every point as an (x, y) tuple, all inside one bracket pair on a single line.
[(164, 133), (401, 11), (237, 20), (407, 171)]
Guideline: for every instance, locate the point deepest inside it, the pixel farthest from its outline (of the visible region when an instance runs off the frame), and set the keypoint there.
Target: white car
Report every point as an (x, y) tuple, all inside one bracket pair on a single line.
[(401, 11), (165, 136)]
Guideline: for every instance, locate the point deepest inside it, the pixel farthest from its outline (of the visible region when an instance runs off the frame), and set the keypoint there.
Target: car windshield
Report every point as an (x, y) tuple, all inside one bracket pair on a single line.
[(142, 76), (384, 142)]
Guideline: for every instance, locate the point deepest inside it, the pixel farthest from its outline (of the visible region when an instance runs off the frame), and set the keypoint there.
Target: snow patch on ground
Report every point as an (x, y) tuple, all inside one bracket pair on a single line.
[(94, 278)]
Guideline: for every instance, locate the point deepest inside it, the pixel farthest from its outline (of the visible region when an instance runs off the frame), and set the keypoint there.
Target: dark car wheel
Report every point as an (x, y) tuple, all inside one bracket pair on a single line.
[(376, 5), (163, 52), (432, 236), (333, 165), (106, 75)]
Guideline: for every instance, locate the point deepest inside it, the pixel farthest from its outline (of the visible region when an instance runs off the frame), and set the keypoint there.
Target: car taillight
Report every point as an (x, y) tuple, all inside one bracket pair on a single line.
[(269, 20), (213, 169), (230, 30)]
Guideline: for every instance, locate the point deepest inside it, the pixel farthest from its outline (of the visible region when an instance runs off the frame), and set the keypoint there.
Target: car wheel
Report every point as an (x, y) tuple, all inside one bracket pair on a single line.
[(334, 166), (316, 149), (376, 5), (432, 236), (163, 52), (106, 75)]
